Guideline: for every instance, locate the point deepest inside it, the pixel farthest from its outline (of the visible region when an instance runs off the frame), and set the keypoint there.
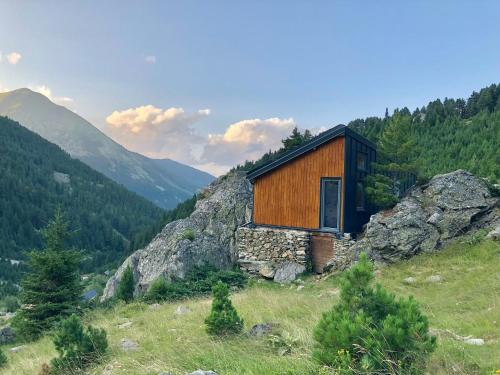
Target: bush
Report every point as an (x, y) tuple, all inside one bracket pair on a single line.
[(3, 358), (369, 331), (199, 281), (188, 234), (77, 347), (126, 287), (223, 319)]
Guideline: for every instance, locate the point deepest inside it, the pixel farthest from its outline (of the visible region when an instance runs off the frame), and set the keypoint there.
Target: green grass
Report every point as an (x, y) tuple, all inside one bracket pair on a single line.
[(466, 302)]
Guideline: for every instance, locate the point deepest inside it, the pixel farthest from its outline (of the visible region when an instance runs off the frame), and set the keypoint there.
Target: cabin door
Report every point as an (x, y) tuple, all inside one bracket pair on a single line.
[(330, 204)]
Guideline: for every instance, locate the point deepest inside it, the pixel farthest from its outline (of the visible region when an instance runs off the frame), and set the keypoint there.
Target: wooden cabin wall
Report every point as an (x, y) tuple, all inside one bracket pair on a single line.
[(289, 197)]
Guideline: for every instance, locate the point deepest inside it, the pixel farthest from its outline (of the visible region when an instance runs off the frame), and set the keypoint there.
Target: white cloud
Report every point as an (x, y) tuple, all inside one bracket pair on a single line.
[(150, 59), (171, 133), (13, 58), (156, 132), (246, 140), (44, 90)]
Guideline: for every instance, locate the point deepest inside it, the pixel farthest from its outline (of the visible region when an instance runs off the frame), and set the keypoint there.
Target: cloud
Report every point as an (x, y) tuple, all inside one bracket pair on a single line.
[(13, 58), (172, 133), (150, 59), (246, 140), (158, 133), (44, 90)]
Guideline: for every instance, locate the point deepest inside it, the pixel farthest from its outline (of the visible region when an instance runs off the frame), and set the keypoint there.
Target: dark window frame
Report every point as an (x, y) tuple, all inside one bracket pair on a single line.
[(364, 168), (321, 203)]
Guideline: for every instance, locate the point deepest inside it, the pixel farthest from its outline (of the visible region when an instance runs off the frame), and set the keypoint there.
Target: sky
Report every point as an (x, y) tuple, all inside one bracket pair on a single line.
[(213, 83)]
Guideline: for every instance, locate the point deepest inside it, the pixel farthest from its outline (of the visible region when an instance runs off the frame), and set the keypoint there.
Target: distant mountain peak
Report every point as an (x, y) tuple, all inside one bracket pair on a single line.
[(82, 140)]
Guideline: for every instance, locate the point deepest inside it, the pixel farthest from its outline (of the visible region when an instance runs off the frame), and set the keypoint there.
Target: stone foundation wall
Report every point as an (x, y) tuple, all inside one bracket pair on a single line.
[(262, 249), (344, 255)]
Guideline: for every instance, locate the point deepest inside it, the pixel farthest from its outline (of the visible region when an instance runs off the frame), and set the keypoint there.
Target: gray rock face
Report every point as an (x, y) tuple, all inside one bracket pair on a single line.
[(287, 272), (7, 335), (449, 205), (262, 329), (494, 234), (202, 372), (172, 253)]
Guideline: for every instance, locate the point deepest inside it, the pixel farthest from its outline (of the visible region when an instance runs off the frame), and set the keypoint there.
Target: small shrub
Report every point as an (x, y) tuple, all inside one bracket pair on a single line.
[(283, 343), (77, 347), (475, 238), (3, 358), (188, 234), (199, 281), (369, 331), (126, 286), (223, 319)]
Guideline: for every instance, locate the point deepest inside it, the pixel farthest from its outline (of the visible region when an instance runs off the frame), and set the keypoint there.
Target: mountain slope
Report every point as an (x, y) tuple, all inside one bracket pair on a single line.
[(451, 134), (459, 304), (164, 182), (37, 177)]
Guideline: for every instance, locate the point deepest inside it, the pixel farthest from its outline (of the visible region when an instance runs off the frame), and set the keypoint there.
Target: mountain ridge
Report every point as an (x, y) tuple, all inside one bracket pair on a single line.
[(165, 182)]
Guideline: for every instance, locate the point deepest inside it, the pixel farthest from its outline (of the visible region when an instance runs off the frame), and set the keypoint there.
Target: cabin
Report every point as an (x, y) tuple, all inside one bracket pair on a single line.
[(319, 186)]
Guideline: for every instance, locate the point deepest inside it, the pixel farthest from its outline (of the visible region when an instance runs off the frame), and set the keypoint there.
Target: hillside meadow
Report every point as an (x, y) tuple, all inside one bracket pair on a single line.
[(466, 302)]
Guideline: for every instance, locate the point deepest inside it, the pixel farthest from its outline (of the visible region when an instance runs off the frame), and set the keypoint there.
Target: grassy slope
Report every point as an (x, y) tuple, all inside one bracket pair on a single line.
[(467, 302)]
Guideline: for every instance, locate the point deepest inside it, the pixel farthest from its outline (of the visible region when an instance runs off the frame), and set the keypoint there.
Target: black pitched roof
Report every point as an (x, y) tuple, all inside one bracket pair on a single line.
[(326, 136)]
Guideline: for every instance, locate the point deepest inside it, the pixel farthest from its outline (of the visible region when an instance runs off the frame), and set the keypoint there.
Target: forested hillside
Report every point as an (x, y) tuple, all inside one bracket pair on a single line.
[(164, 182), (451, 134), (37, 177), (448, 135)]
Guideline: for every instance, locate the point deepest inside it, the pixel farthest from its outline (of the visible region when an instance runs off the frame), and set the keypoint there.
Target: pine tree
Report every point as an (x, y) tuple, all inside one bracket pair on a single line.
[(223, 319), (396, 154), (371, 332), (77, 347), (51, 290), (126, 287)]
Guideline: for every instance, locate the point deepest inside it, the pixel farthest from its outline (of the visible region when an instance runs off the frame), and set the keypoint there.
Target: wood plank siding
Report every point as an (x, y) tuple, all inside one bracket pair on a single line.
[(289, 195)]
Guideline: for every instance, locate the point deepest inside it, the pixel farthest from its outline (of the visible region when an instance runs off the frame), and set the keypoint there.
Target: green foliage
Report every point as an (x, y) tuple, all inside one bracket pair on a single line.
[(197, 282), (395, 161), (77, 347), (126, 287), (188, 234), (10, 304), (51, 289), (3, 358), (450, 134), (374, 332), (223, 319), (104, 215)]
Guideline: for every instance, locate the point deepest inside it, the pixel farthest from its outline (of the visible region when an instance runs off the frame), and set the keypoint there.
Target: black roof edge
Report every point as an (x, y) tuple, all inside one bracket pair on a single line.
[(317, 141)]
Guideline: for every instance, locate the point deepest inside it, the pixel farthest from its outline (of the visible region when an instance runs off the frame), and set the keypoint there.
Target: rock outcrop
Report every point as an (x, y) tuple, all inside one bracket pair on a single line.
[(448, 205), (206, 236)]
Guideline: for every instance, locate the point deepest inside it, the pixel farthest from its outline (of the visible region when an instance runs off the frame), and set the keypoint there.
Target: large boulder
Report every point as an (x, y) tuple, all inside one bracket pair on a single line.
[(429, 216), (206, 236)]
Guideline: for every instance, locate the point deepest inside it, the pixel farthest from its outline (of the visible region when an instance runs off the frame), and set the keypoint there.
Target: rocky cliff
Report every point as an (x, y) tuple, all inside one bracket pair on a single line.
[(207, 236), (429, 216)]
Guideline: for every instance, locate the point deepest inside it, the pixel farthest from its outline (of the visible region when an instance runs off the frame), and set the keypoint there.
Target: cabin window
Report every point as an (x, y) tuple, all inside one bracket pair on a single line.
[(361, 161), (360, 196), (330, 203)]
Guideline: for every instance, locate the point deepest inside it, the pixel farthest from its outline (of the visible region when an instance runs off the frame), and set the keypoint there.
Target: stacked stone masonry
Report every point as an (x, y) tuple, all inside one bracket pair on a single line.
[(263, 250)]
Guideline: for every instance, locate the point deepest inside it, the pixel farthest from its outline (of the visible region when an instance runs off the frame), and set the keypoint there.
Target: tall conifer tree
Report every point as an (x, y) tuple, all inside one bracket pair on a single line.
[(396, 160), (51, 290)]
